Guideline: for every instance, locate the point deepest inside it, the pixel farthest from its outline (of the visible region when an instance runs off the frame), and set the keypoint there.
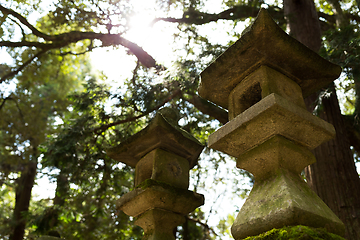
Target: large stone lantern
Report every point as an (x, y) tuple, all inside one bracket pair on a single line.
[(262, 80), (162, 154)]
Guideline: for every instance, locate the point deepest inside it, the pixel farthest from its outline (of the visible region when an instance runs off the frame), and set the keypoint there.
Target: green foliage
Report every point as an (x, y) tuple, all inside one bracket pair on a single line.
[(296, 232), (225, 224), (69, 133), (7, 197), (343, 46), (325, 7), (94, 181)]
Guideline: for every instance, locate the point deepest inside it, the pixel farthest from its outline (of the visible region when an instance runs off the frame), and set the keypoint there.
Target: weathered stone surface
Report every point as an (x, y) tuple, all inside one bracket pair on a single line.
[(274, 154), (163, 166), (273, 115), (283, 200), (155, 194), (159, 224), (259, 84), (265, 43), (158, 134)]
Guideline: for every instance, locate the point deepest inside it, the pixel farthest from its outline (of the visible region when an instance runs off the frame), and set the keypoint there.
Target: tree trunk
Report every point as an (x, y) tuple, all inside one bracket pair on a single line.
[(333, 177), (50, 218), (303, 22), (22, 200)]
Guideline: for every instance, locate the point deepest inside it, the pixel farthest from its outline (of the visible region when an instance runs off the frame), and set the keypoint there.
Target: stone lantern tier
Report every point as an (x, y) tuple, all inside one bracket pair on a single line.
[(159, 207), (162, 151), (153, 194), (162, 132), (273, 115), (265, 43)]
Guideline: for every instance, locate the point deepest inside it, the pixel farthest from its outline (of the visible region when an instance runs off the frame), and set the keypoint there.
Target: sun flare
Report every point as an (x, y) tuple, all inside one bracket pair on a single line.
[(155, 39)]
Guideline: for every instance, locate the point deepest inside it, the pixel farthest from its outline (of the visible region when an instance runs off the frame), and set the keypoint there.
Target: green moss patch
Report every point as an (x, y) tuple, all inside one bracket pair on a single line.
[(151, 182), (296, 233)]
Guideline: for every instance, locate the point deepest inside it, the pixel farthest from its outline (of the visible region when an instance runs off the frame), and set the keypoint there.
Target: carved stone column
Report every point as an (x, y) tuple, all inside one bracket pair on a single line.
[(162, 154), (261, 80)]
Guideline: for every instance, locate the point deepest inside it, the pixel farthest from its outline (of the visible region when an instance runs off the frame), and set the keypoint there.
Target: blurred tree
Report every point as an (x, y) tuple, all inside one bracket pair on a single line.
[(29, 114)]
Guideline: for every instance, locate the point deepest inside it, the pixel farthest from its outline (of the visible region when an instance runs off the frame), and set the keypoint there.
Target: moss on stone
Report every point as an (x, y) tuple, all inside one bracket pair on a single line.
[(296, 233), (151, 182)]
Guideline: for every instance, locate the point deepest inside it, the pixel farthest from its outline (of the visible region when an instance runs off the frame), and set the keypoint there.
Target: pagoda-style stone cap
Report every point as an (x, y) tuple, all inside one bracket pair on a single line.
[(265, 43), (161, 133)]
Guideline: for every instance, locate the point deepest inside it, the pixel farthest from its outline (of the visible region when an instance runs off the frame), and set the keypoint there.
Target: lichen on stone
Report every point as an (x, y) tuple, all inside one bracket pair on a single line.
[(296, 233)]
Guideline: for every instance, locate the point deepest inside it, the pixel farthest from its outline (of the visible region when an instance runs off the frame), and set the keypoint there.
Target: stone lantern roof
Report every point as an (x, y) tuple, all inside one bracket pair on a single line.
[(162, 132), (265, 43)]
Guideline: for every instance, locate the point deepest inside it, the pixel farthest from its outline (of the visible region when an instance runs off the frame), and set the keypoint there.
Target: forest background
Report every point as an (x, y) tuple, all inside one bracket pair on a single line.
[(58, 114)]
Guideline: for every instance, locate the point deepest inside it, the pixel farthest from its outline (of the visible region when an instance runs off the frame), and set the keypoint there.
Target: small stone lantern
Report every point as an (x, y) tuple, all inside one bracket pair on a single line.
[(261, 80), (162, 154)]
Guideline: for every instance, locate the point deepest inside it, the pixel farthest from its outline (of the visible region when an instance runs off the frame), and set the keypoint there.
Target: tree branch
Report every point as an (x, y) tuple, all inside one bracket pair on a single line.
[(23, 20), (64, 39), (133, 79), (22, 29), (3, 102), (89, 48), (26, 44), (13, 73), (103, 128), (353, 131), (243, 12), (207, 107), (202, 224), (234, 13)]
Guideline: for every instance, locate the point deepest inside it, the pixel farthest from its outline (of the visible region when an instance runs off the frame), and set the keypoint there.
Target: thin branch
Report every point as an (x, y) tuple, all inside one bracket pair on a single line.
[(212, 206), (5, 99), (103, 128), (133, 79), (90, 47), (22, 29), (97, 5), (59, 68), (23, 20), (20, 112), (72, 53), (207, 107), (234, 13), (202, 224), (242, 12), (13, 73), (26, 44), (353, 131)]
